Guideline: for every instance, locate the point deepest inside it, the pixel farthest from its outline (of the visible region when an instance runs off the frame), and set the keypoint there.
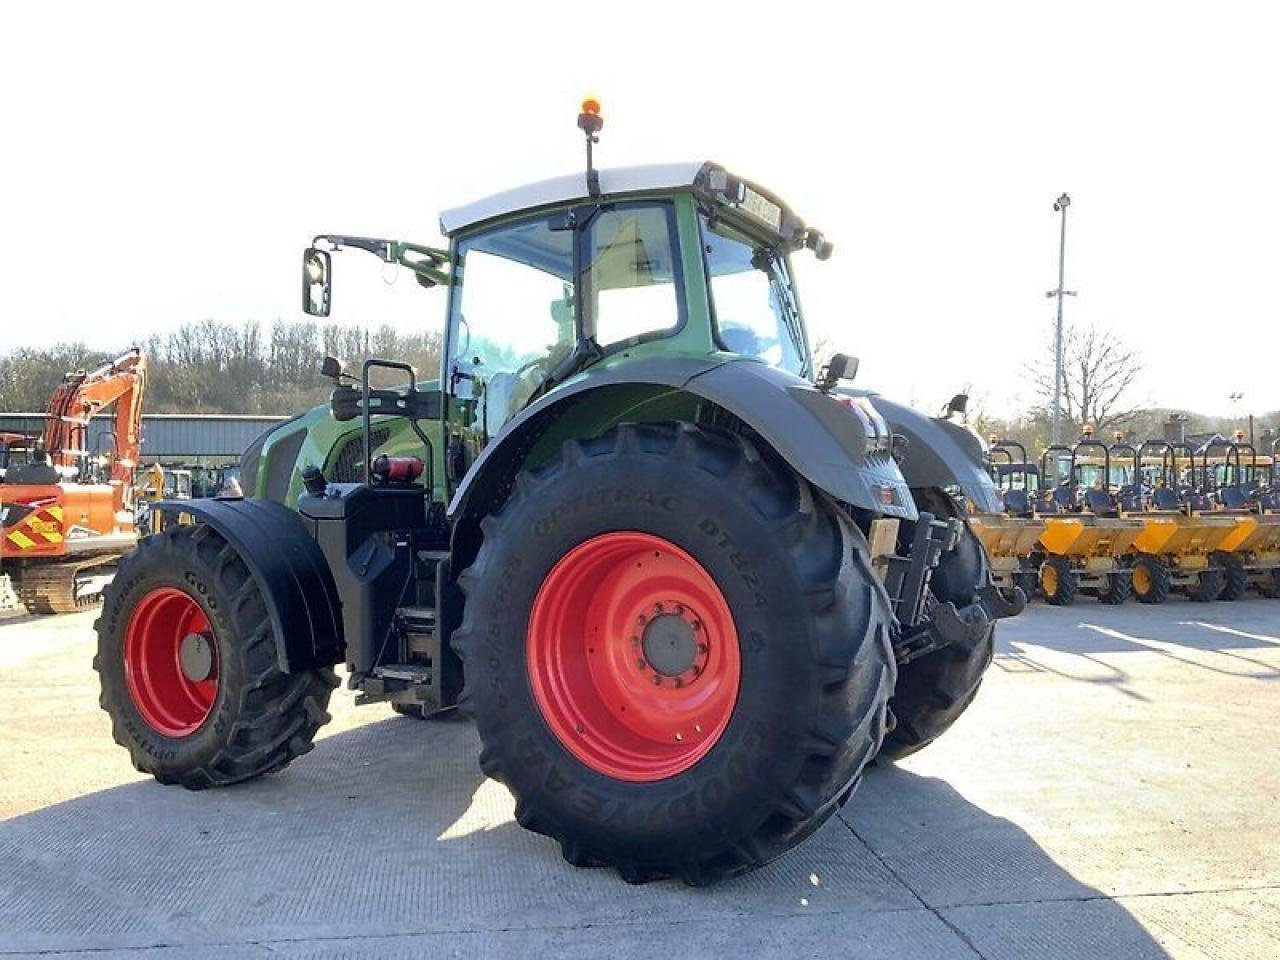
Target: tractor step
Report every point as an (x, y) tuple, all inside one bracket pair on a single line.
[(413, 673), (417, 619)]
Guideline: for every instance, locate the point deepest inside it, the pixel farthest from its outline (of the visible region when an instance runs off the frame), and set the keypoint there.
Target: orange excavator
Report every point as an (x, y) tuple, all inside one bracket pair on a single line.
[(68, 513)]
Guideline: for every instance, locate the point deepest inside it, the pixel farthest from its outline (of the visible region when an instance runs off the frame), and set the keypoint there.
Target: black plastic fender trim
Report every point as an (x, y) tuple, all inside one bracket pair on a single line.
[(829, 451), (289, 569)]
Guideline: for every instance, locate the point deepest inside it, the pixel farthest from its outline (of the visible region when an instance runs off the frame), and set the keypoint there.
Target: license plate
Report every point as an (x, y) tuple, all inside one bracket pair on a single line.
[(762, 208)]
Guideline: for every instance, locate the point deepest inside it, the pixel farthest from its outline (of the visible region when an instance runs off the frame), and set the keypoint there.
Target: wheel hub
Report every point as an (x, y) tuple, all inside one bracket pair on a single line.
[(633, 656), (171, 662), (669, 644), (195, 656)]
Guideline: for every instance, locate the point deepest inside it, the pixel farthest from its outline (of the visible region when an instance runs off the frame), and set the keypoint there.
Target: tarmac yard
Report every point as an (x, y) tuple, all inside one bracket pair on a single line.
[(1112, 793)]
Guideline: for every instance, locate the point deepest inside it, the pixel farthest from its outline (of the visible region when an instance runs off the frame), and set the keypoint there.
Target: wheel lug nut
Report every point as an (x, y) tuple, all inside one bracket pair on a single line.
[(657, 608), (640, 620), (657, 680), (702, 648), (679, 737), (640, 664), (697, 728), (697, 624), (635, 641)]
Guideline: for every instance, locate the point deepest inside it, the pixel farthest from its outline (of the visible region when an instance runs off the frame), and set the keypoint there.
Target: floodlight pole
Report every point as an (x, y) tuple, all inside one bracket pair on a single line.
[(1059, 205)]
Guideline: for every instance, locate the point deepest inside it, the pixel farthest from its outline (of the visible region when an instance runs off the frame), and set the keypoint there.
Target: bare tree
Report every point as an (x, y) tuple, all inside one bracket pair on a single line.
[(1099, 371)]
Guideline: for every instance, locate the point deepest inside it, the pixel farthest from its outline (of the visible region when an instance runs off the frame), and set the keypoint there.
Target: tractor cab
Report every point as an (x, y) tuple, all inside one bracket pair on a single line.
[(552, 279)]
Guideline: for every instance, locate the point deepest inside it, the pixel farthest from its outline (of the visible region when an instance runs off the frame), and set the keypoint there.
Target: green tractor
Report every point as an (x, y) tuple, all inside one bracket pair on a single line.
[(687, 585)]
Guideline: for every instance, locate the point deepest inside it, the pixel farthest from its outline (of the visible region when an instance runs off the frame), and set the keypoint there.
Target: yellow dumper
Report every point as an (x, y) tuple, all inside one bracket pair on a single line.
[(1177, 551), (1082, 555), (1013, 549), (1249, 555)]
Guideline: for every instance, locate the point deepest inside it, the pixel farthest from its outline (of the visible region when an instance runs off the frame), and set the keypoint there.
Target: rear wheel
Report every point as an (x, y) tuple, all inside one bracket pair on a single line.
[(676, 653), (1118, 588), (1270, 586), (1235, 576), (1151, 580), (935, 690), (1028, 581), (1208, 585), (1058, 581), (187, 662)]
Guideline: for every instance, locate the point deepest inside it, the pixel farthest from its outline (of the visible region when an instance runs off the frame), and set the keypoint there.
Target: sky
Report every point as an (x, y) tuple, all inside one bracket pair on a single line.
[(166, 163)]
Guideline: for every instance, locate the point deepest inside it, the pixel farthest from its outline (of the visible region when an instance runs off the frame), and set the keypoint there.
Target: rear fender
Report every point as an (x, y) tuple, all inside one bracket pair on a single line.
[(818, 436), (289, 569), (941, 454)]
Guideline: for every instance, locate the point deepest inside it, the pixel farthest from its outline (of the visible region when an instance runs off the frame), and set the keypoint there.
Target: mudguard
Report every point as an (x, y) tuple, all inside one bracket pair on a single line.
[(289, 569), (823, 440), (941, 454)]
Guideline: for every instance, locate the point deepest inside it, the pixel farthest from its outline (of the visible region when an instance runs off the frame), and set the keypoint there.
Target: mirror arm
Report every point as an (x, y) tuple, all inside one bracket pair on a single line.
[(428, 263), (431, 270)]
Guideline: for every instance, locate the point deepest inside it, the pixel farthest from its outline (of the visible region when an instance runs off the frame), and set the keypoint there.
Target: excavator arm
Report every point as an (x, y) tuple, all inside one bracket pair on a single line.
[(86, 392)]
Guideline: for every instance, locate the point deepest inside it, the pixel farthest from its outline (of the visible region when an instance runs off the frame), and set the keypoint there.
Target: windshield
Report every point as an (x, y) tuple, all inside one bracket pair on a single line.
[(752, 299)]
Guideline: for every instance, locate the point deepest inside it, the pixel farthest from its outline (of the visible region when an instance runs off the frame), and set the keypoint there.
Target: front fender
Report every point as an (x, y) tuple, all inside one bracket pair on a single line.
[(292, 575), (941, 454), (819, 437)]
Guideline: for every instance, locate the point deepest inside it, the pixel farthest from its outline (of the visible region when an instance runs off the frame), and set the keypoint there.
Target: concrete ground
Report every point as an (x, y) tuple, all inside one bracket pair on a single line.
[(1112, 793)]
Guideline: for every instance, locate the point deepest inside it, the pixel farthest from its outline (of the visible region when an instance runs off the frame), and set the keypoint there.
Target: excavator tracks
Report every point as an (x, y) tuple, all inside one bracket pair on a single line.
[(64, 587)]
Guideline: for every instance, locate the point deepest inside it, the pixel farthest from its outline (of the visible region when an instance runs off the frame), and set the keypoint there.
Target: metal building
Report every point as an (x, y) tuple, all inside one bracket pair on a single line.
[(211, 439)]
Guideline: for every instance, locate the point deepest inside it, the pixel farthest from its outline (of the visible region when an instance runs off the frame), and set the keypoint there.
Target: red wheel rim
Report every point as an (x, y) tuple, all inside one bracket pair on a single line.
[(174, 697), (633, 656)]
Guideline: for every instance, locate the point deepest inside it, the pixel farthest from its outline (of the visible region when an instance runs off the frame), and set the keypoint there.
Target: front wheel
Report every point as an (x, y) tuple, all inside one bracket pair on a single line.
[(1058, 582), (1235, 576), (1152, 580), (187, 662), (676, 653)]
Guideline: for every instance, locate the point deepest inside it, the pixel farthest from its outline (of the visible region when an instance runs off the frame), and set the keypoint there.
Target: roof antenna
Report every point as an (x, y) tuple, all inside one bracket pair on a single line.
[(590, 123)]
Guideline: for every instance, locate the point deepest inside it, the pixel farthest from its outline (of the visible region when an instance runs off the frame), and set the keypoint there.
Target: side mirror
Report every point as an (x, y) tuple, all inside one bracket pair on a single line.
[(841, 366), (331, 368), (317, 282)]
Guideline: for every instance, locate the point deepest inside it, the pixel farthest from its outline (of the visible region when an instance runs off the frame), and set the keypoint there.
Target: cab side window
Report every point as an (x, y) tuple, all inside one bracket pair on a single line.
[(633, 273)]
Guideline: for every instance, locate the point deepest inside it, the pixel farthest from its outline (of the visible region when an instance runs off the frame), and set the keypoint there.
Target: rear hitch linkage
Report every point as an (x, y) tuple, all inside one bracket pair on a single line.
[(926, 626)]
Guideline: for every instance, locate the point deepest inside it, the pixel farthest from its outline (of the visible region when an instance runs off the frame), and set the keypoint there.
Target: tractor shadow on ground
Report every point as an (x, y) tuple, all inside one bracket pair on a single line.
[(390, 829)]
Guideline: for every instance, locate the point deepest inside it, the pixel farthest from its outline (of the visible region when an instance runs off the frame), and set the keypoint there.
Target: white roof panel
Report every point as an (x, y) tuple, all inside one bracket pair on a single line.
[(663, 176)]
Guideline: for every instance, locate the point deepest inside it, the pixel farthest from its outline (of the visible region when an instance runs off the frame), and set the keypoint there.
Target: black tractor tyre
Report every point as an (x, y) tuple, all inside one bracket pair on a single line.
[(1118, 589), (1059, 588), (1152, 580), (1235, 576), (258, 718), (812, 623), (1209, 584), (933, 691)]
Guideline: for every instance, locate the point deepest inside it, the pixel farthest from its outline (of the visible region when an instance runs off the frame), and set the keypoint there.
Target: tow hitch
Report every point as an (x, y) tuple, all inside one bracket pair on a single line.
[(927, 626)]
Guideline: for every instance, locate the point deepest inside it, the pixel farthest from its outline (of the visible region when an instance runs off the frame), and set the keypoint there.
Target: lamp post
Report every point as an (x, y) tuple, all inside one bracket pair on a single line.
[(1060, 206)]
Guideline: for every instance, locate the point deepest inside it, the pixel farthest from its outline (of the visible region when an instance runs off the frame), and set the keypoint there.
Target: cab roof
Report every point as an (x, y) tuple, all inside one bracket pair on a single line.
[(700, 176)]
